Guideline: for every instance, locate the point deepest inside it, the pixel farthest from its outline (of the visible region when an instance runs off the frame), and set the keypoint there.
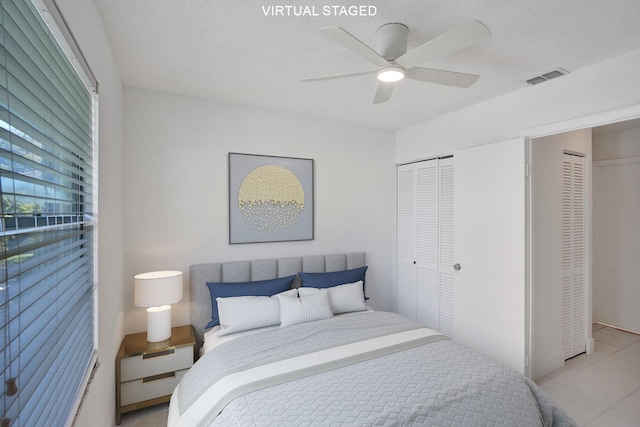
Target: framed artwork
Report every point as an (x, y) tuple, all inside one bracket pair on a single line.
[(270, 198)]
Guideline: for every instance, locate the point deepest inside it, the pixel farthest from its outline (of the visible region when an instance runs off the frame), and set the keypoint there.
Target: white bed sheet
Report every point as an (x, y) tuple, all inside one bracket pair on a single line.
[(456, 383)]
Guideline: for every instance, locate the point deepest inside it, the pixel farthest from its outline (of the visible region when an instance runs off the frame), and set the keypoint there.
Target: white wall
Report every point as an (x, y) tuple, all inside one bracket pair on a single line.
[(616, 273), (546, 172), (603, 87), (616, 145), (176, 194), (98, 408)]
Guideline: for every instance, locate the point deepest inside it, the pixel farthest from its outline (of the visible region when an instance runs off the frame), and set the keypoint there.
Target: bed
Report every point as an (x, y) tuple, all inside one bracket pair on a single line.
[(331, 360)]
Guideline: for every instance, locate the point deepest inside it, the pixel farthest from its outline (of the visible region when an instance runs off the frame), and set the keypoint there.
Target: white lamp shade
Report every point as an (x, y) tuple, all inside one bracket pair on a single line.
[(157, 288)]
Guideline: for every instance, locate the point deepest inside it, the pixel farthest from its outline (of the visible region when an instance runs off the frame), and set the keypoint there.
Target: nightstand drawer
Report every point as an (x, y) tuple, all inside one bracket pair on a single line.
[(150, 387), (146, 375), (142, 366)]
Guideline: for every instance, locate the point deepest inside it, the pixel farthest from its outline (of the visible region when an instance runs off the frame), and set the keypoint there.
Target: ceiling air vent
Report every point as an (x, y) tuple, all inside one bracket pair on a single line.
[(547, 76)]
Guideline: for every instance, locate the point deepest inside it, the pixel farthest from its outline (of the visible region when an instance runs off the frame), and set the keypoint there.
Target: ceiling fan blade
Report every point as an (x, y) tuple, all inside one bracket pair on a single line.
[(383, 93), (441, 77), (450, 42), (337, 76), (350, 42)]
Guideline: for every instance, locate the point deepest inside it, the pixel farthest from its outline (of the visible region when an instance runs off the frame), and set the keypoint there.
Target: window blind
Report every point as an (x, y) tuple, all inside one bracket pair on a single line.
[(46, 225)]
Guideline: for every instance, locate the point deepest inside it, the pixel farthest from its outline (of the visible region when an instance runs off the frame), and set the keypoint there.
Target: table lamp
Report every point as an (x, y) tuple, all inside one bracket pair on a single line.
[(157, 290)]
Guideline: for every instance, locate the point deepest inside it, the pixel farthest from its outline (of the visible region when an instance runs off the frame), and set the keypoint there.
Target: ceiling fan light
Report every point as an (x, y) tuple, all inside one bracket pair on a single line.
[(390, 75)]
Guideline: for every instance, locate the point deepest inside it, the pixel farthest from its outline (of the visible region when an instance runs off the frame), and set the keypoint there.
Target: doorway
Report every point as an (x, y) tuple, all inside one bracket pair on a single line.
[(560, 243), (602, 146), (616, 230)]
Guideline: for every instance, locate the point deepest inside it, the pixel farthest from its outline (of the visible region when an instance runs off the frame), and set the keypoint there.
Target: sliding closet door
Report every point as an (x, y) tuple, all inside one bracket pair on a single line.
[(461, 248), (406, 275), (425, 242), (573, 255), (445, 277), (489, 201), (426, 261)]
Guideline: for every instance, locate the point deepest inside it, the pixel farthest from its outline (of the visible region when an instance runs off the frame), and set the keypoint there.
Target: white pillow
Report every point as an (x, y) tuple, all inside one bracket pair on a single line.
[(305, 309), (343, 298), (249, 312)]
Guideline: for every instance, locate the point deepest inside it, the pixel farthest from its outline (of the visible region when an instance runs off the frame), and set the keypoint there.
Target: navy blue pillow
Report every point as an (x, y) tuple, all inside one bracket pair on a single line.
[(334, 278), (261, 288)]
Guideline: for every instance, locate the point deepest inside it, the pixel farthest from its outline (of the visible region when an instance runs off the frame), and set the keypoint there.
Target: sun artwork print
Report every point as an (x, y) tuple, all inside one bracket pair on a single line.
[(271, 198)]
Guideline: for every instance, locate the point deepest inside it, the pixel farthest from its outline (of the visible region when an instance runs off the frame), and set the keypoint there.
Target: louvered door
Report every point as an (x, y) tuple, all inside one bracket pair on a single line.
[(446, 254), (426, 298), (425, 243), (406, 275), (573, 255)]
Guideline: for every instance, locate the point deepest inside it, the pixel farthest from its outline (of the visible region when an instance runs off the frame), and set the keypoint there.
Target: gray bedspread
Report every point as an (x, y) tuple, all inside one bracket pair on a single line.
[(436, 384)]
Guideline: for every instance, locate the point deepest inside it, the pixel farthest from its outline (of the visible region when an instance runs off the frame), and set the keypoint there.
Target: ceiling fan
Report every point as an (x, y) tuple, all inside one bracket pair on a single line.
[(395, 63)]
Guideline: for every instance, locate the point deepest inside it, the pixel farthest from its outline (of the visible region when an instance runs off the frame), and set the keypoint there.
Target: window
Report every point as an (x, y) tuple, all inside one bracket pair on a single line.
[(47, 182)]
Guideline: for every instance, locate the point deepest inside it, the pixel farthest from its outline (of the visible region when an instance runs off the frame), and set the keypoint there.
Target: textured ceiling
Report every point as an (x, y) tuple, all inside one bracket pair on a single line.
[(230, 51)]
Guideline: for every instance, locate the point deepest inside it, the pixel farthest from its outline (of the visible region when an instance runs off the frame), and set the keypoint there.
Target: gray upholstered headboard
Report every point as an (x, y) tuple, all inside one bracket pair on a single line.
[(262, 269)]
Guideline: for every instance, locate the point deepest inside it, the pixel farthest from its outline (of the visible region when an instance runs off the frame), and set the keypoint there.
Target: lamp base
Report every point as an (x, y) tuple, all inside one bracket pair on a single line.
[(158, 323)]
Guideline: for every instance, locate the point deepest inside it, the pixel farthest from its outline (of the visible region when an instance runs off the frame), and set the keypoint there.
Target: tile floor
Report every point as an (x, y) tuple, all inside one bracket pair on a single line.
[(601, 389), (598, 390)]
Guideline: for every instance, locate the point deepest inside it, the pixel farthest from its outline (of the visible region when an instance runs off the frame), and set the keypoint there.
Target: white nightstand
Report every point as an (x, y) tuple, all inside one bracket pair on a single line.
[(147, 373)]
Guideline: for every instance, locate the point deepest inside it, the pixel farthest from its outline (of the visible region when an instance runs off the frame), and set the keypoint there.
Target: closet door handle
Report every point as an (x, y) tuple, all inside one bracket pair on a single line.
[(457, 267)]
